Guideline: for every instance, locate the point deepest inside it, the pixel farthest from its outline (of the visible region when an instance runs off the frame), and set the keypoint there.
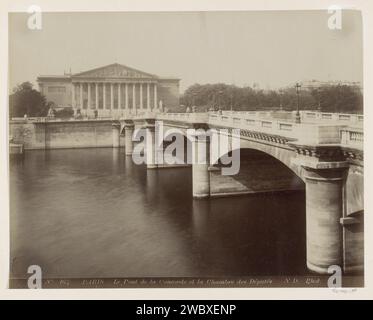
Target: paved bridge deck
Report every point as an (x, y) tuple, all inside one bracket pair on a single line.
[(315, 128), (324, 150), (338, 129)]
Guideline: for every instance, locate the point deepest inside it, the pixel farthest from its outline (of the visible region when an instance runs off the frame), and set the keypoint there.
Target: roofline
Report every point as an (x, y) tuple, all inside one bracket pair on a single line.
[(169, 78), (62, 78), (83, 74), (114, 64)]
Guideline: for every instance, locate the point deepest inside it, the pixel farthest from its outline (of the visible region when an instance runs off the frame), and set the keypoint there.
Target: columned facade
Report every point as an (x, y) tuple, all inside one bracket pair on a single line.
[(324, 211), (114, 98), (201, 163), (150, 150), (129, 129)]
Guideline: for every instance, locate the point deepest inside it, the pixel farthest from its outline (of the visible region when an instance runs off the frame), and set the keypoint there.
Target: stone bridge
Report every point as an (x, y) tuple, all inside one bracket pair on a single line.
[(324, 151)]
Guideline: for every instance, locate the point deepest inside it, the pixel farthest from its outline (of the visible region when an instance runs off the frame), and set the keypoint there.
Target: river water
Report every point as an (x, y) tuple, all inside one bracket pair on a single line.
[(93, 213)]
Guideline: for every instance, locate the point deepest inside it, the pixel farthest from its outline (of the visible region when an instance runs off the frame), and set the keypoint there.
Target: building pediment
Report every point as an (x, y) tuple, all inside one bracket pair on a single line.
[(115, 71)]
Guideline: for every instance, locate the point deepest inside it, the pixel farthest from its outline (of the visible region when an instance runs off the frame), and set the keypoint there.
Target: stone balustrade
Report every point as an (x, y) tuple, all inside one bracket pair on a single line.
[(325, 128), (324, 152), (306, 116), (352, 137)]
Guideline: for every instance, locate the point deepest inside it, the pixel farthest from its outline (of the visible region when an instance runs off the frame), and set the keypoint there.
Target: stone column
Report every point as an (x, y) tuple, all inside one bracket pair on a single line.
[(81, 95), (88, 96), (103, 95), (141, 105), (324, 209), (200, 166), (119, 97), (150, 146), (148, 96), (155, 97), (111, 97), (96, 94), (126, 93), (116, 134), (128, 131), (73, 99), (134, 97)]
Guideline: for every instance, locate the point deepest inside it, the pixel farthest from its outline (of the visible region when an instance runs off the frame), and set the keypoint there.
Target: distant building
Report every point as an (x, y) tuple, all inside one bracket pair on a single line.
[(111, 90), (314, 84)]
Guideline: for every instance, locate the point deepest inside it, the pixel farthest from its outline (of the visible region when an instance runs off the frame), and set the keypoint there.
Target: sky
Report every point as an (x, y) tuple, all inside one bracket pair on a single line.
[(273, 48)]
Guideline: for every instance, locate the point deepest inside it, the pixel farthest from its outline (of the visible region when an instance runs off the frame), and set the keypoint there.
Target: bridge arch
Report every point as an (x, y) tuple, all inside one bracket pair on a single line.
[(323, 171), (258, 172), (285, 154), (175, 137)]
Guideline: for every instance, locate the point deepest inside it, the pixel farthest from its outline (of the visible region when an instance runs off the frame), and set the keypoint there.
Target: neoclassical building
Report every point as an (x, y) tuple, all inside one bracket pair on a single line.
[(112, 90)]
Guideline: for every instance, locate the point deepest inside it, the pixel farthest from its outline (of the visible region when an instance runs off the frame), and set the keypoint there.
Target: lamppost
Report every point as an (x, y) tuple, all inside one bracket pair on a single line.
[(319, 100), (194, 102), (220, 94), (339, 93), (297, 115)]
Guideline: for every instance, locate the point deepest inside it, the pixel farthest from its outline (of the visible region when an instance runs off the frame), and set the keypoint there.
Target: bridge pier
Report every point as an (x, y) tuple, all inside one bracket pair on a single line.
[(324, 211), (128, 131), (150, 145), (116, 134), (200, 166)]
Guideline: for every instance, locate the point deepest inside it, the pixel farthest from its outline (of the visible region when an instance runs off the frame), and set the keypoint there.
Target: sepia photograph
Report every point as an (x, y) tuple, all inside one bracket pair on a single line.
[(186, 149)]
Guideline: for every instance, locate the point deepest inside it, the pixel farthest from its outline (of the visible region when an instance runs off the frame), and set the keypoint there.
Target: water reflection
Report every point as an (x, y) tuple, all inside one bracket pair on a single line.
[(92, 212)]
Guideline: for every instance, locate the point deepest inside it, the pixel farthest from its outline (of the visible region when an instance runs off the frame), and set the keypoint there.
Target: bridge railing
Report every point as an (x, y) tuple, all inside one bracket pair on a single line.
[(303, 133), (46, 119), (305, 115), (352, 137), (27, 119), (253, 123), (186, 117)]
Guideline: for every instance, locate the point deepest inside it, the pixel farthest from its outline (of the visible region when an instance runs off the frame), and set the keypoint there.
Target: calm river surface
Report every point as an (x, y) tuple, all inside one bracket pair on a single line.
[(93, 213)]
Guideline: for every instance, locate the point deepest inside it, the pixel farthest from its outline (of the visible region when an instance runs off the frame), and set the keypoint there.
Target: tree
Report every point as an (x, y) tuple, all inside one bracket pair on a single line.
[(26, 100), (340, 98), (64, 113)]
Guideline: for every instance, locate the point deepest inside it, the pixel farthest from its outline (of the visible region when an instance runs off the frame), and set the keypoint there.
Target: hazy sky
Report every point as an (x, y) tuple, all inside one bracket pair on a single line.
[(272, 49)]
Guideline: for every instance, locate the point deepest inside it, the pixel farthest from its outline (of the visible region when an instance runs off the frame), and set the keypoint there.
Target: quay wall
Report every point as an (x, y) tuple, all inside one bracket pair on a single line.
[(62, 134), (258, 173)]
